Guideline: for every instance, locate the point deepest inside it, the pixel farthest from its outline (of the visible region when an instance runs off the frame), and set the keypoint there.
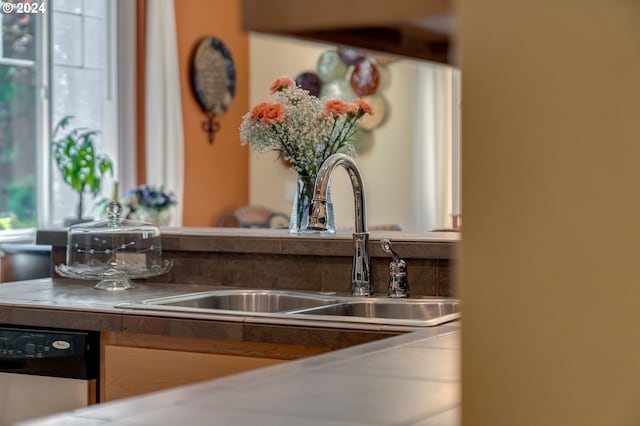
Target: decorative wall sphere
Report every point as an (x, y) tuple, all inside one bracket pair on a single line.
[(365, 78), (309, 81), (350, 56), (330, 67), (338, 89), (379, 106)]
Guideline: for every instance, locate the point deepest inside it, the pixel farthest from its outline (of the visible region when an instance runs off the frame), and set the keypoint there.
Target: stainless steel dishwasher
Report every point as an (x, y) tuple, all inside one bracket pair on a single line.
[(46, 371)]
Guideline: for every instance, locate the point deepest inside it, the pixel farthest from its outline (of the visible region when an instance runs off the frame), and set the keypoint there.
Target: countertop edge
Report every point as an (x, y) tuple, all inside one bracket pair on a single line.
[(192, 401), (434, 245)]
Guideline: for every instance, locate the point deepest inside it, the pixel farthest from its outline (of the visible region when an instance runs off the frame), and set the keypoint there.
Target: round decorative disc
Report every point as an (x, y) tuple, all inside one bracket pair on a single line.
[(379, 107), (338, 89), (350, 56), (330, 67), (309, 81), (214, 75), (365, 78)]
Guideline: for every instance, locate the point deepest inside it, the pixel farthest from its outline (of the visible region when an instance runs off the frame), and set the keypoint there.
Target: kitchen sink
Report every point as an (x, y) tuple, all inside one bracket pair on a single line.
[(301, 306), (243, 300), (406, 309)]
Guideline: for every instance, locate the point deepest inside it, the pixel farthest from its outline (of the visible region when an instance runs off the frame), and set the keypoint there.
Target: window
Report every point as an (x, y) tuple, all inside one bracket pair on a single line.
[(52, 64), (82, 76), (18, 116)]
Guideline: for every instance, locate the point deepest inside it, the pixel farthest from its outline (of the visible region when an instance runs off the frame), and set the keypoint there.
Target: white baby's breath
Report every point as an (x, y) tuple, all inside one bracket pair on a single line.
[(300, 127)]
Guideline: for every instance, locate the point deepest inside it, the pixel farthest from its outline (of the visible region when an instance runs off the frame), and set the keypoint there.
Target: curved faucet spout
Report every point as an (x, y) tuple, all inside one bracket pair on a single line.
[(317, 213), (360, 275)]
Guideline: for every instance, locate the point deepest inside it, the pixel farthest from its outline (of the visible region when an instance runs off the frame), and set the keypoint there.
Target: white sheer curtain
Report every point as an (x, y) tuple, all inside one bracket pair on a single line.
[(165, 138), (432, 159), (125, 53)]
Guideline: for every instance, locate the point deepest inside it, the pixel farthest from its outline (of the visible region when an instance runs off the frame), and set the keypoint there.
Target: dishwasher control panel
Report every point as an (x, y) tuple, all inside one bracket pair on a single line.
[(17, 344), (60, 353)]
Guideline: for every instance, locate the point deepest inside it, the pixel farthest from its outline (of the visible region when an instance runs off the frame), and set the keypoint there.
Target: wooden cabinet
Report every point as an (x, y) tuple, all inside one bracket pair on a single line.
[(133, 371), (134, 364)]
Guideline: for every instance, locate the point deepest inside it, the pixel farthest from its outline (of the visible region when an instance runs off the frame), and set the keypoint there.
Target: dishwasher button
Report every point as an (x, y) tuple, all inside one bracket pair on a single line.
[(61, 344)]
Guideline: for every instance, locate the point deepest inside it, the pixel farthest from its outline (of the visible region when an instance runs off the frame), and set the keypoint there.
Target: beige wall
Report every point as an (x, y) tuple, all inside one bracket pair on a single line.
[(385, 156), (551, 169)]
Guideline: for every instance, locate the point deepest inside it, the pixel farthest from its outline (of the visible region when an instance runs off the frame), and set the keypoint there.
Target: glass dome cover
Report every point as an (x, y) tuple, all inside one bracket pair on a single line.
[(113, 251)]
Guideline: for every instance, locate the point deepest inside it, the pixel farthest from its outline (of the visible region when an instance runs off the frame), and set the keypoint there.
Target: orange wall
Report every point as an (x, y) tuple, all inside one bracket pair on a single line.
[(216, 176)]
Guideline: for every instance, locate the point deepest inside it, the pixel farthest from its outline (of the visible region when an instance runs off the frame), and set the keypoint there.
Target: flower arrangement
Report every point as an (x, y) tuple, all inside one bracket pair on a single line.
[(303, 129), (149, 197)]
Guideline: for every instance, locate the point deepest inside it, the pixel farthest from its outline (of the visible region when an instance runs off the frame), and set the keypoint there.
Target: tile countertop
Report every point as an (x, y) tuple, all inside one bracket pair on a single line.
[(412, 379), (408, 379), (66, 303)]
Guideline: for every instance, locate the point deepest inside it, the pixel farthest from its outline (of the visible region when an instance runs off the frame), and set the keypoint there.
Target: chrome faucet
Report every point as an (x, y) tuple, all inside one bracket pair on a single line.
[(398, 279), (360, 276)]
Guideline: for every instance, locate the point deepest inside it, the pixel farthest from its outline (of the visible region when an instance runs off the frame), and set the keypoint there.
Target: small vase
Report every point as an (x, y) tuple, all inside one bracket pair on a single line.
[(156, 217), (300, 209)]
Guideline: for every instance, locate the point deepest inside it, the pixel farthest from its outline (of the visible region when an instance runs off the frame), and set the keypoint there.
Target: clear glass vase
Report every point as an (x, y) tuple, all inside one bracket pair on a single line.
[(300, 209)]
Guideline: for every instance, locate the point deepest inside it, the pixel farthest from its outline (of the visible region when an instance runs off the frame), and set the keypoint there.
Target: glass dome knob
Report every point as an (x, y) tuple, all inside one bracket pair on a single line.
[(114, 210)]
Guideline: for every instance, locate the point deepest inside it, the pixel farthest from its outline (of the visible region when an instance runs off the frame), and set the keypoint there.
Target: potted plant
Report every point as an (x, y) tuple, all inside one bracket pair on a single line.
[(79, 164)]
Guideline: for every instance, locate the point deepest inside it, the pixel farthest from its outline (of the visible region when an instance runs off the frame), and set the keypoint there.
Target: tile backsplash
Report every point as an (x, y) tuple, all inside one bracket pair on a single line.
[(266, 261)]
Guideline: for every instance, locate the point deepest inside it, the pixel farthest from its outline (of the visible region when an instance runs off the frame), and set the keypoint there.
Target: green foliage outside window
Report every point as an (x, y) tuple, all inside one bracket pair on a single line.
[(18, 145), (17, 148)]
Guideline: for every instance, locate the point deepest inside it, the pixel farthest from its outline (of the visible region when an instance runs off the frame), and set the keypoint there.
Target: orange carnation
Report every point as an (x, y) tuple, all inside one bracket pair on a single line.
[(268, 113), (274, 114), (257, 111), (282, 83), (363, 106), (337, 107)]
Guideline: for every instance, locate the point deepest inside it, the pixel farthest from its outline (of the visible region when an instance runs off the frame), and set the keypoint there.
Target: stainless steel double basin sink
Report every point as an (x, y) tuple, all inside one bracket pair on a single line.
[(310, 306)]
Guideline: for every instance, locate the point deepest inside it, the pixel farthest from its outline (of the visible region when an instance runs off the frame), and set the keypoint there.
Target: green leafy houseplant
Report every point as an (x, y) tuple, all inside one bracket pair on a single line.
[(75, 156)]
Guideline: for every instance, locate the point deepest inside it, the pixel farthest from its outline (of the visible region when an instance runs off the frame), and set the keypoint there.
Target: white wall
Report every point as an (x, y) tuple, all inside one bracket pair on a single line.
[(384, 156)]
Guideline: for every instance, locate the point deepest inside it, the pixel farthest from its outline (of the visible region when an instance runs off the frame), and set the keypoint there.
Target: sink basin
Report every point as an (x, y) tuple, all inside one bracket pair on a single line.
[(243, 300), (407, 309), (300, 306)]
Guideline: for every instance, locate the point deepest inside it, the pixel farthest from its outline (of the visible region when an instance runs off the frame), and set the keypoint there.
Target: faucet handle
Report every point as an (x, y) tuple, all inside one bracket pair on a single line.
[(398, 279), (386, 247)]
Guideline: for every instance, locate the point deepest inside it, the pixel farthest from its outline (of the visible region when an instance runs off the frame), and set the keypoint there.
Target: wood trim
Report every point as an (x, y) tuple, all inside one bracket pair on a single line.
[(92, 392), (251, 349), (296, 15), (419, 29)]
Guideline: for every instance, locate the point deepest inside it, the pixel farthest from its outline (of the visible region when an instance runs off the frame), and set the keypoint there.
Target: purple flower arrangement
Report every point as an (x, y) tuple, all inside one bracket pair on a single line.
[(150, 197)]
